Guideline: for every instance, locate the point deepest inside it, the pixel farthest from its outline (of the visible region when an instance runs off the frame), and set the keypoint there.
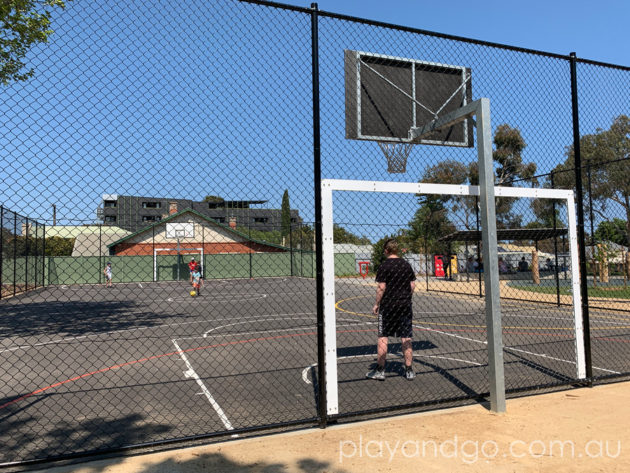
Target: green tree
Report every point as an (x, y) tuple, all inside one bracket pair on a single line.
[(429, 224), (606, 157), (285, 214), (21, 246), (24, 23), (509, 167), (544, 211), (214, 199), (341, 235), (460, 208), (58, 246), (615, 231)]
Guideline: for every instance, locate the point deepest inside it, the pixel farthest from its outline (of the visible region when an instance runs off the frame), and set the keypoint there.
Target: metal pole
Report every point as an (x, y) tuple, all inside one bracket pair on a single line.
[(1, 246), (26, 255), (44, 256), (178, 260), (154, 255), (478, 245), (489, 240), (249, 233), (36, 253), (15, 242), (555, 245), (319, 255), (426, 255), (580, 221), (100, 254), (291, 247), (590, 204)]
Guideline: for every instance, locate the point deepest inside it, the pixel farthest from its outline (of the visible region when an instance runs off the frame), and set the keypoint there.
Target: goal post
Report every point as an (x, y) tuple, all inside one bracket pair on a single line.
[(330, 186), (181, 251)]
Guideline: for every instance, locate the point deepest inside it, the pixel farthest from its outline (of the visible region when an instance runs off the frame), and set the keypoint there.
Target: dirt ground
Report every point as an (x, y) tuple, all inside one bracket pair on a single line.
[(577, 430), (472, 287)]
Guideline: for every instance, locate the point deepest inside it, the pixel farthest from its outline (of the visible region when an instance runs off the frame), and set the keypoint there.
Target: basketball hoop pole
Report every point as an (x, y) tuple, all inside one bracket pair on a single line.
[(481, 109), (178, 259)]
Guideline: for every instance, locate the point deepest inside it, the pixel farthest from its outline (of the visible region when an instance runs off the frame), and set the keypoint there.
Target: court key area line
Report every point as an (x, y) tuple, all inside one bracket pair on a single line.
[(191, 373)]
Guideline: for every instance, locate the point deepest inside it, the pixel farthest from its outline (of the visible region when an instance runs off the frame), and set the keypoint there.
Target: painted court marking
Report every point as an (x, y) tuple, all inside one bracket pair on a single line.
[(191, 373)]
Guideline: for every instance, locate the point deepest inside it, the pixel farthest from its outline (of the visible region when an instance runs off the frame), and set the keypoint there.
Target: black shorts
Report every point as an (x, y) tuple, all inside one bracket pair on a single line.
[(395, 321)]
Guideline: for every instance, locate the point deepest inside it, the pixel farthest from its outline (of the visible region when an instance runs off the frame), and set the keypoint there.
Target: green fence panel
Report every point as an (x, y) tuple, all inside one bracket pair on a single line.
[(130, 268), (226, 266), (345, 264), (89, 269), (71, 270), (270, 265)]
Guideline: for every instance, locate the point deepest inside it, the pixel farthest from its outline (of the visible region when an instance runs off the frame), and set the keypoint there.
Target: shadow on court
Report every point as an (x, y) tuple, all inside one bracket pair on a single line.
[(22, 440), (71, 318)]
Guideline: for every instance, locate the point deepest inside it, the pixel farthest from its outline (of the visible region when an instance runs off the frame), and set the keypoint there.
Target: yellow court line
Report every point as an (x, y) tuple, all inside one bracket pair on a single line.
[(443, 324)]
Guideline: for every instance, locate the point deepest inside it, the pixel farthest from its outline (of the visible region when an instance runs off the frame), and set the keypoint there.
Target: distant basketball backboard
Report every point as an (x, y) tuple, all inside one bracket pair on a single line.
[(180, 230), (386, 96)]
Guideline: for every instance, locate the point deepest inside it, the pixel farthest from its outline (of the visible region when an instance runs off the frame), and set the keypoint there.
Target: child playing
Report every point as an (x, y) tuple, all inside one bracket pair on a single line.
[(196, 280), (108, 275)]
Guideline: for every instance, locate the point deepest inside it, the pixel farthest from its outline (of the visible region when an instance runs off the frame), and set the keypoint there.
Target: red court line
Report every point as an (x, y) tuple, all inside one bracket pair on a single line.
[(155, 357), (240, 342)]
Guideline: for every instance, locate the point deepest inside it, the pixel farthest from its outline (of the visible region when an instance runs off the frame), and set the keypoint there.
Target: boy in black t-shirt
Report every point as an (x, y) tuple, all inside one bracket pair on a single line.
[(396, 282)]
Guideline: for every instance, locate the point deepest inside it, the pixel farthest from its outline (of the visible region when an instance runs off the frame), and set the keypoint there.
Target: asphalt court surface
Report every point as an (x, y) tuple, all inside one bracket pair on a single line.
[(142, 362)]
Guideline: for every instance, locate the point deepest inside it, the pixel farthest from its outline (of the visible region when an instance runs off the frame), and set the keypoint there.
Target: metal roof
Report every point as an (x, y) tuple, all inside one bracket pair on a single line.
[(507, 234)]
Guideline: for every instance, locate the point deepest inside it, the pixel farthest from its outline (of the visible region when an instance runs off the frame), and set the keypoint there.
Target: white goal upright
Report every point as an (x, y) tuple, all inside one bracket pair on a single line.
[(493, 316)]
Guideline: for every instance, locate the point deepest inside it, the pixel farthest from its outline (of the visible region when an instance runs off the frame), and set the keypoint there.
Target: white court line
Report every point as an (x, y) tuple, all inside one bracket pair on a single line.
[(113, 332), (240, 298), (505, 347), (556, 359), (205, 334), (192, 374), (311, 366), (252, 332)]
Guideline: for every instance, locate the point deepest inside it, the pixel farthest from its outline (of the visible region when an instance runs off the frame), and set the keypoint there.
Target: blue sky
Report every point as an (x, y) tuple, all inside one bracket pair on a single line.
[(593, 30), (216, 98)]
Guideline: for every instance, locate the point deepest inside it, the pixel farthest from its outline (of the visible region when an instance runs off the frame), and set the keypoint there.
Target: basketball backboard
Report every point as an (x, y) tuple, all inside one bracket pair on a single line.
[(386, 96)]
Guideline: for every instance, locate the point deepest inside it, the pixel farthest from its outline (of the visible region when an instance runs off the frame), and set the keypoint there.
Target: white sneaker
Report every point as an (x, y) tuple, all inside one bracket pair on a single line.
[(376, 373)]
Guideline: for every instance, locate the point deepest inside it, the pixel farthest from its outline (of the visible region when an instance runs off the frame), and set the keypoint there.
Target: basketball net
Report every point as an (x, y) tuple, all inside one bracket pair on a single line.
[(396, 154)]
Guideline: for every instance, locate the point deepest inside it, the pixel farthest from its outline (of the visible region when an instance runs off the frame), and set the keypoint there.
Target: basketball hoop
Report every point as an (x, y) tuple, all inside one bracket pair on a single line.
[(396, 154)]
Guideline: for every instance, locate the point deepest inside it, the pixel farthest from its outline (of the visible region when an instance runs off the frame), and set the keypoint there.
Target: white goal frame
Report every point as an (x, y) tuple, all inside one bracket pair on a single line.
[(328, 186), (180, 251)]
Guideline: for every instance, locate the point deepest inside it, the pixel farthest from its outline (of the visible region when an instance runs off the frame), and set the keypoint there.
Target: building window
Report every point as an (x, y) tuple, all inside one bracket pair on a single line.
[(110, 218), (293, 220), (216, 205), (261, 219), (109, 204), (151, 218), (151, 205), (219, 219)]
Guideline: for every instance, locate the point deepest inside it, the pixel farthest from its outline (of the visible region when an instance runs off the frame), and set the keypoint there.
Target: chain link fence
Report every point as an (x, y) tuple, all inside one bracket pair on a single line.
[(172, 150), (22, 246)]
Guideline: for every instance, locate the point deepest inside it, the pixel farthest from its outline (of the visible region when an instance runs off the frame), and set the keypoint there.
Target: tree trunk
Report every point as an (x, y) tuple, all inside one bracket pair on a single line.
[(535, 271), (603, 263), (603, 271)]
